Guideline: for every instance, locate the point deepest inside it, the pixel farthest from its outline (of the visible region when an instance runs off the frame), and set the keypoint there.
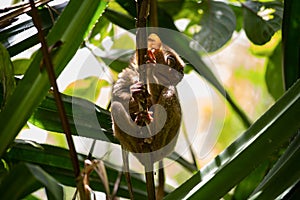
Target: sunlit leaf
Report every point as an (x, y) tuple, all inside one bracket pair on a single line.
[(20, 66), (262, 20), (238, 15), (129, 6), (117, 59), (217, 25), (124, 41), (88, 88), (31, 197), (3, 169), (268, 48), (102, 29), (22, 35), (78, 17), (6, 75), (190, 12)]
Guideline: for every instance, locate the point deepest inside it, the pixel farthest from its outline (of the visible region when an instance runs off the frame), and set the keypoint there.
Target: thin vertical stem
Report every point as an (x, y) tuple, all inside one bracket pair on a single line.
[(153, 21), (143, 7), (150, 181), (190, 145), (161, 181), (127, 172), (116, 186), (61, 110), (148, 164)]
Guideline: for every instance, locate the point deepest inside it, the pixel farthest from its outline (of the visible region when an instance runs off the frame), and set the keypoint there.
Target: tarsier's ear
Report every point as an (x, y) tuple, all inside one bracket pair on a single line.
[(154, 42)]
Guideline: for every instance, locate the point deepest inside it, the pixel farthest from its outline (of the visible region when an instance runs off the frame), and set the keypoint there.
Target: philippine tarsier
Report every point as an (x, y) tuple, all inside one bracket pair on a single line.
[(155, 130)]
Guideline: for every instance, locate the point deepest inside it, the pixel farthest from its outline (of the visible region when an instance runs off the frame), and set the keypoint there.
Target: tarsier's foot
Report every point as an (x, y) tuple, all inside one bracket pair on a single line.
[(140, 95), (143, 118)]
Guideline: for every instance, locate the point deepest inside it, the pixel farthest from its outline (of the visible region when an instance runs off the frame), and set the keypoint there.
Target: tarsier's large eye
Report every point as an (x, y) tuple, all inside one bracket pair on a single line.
[(171, 61)]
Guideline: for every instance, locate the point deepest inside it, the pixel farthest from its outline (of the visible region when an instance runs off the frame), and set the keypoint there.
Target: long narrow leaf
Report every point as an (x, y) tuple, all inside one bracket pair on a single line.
[(21, 34), (71, 28), (7, 79), (124, 21), (189, 166), (247, 152), (291, 42), (46, 117), (274, 73), (25, 178), (286, 172), (56, 161), (244, 189)]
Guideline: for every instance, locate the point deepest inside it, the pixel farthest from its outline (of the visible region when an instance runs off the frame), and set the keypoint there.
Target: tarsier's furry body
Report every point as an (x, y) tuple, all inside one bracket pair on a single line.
[(155, 130)]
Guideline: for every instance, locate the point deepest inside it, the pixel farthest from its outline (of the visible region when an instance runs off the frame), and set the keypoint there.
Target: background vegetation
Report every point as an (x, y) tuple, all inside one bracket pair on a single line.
[(253, 44)]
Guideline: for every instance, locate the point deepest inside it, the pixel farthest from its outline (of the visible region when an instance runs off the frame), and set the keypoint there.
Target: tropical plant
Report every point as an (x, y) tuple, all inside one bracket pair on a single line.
[(262, 163)]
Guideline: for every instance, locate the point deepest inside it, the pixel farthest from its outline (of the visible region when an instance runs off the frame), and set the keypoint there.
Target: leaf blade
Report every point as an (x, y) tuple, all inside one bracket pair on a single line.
[(34, 86), (261, 20), (285, 171), (247, 152), (217, 25), (46, 117), (290, 41), (35, 178), (6, 75), (56, 161), (274, 73)]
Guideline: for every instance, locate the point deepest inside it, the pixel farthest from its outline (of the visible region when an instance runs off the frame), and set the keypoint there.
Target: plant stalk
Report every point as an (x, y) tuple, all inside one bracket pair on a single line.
[(150, 180), (127, 172), (61, 110), (161, 181), (143, 8)]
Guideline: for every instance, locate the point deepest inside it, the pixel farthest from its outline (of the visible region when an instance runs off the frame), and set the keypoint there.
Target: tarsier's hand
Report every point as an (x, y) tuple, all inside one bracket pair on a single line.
[(155, 130)]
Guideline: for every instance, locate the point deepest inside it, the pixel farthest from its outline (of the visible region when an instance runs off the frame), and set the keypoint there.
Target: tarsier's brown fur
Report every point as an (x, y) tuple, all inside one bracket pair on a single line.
[(158, 128)]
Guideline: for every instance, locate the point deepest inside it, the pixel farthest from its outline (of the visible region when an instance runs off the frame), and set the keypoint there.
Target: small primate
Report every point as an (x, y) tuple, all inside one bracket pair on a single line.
[(154, 129)]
